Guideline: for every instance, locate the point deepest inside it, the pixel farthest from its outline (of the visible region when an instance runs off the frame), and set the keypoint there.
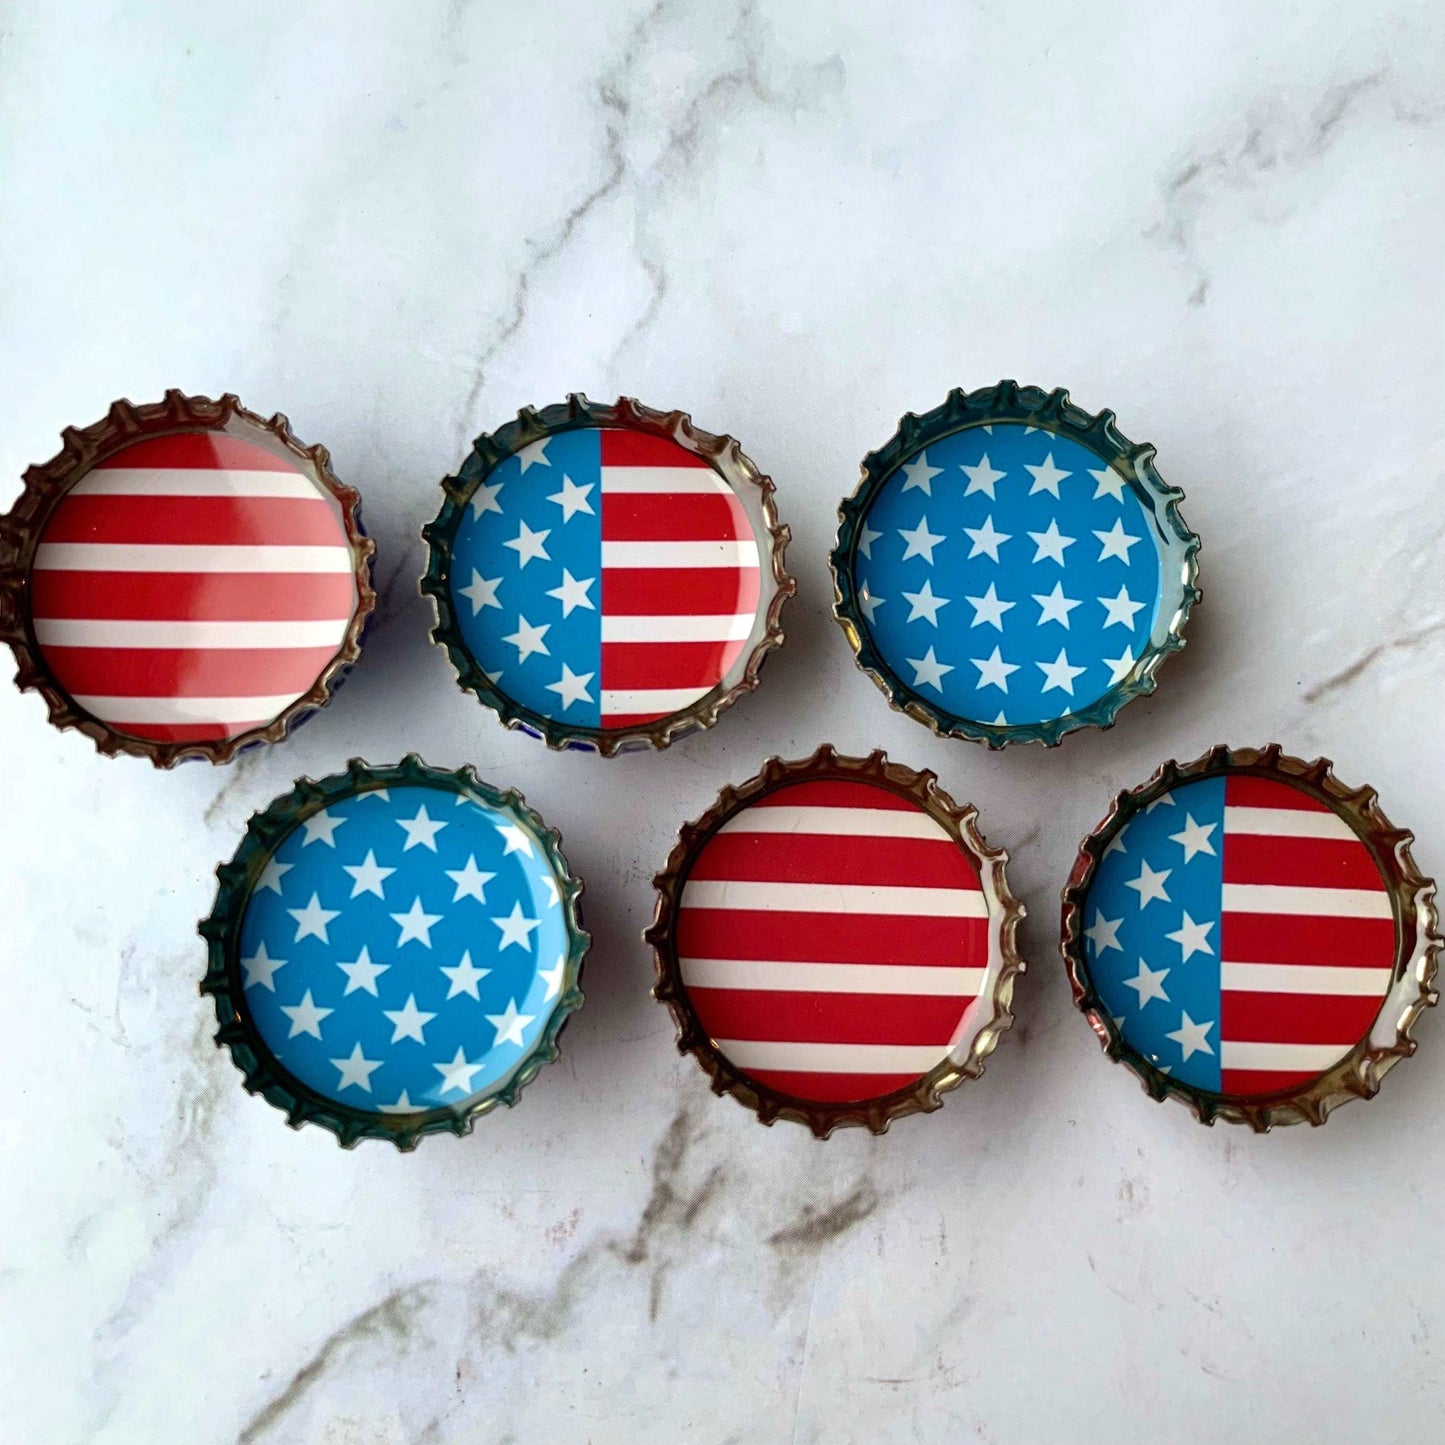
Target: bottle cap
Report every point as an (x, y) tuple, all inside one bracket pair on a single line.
[(184, 580), (394, 951), (607, 577), (1010, 568), (836, 942), (1252, 937)]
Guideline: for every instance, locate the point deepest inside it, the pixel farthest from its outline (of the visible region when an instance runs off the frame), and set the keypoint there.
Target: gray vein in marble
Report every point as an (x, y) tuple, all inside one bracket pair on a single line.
[(1355, 669)]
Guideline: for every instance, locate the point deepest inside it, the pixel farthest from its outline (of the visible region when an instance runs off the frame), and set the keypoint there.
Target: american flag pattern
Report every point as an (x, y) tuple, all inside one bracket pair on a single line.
[(833, 940), (606, 578), (191, 587), (1241, 934)]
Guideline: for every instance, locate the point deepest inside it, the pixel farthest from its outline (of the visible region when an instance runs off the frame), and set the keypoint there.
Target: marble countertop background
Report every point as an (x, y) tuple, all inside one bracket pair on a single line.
[(398, 223)]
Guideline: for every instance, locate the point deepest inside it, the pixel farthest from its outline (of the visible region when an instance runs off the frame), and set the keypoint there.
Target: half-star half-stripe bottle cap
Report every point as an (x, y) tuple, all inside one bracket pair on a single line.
[(836, 942), (394, 951), (1010, 568), (184, 579), (607, 577), (1251, 936)]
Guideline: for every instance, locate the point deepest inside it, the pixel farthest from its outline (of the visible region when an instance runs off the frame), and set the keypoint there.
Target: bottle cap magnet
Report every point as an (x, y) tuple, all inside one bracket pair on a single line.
[(394, 951), (184, 580), (607, 577), (836, 942), (1252, 937), (1011, 568)]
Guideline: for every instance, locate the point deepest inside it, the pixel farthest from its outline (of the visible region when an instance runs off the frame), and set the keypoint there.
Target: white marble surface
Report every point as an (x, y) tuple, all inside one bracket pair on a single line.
[(398, 223)]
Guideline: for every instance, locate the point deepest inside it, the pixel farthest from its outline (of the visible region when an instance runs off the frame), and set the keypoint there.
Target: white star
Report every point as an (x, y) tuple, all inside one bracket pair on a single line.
[(1191, 1037), (361, 976), (983, 478), (1104, 933), (409, 1022), (464, 977), (528, 544), (571, 687), (925, 604), (866, 538), (552, 977), (1116, 843), (312, 921), (403, 1105), (1047, 477), (261, 968), (421, 831), (1116, 542), (321, 825), (1055, 607), (921, 541), (986, 541), (1119, 667), (484, 499), (509, 1025), (1192, 937), (554, 897), (1164, 800), (1149, 885), (534, 454), (380, 794), (988, 608), (415, 924), (1051, 544), (367, 876), (470, 881), (456, 1075), (516, 929), (517, 841), (272, 874), (928, 671), (1058, 673), (482, 592), (868, 602), (1194, 837), (1001, 721), (572, 499), (1121, 609), (528, 639), (994, 671), (305, 1016), (1148, 983), (573, 593), (356, 1069), (920, 474), (1110, 484)]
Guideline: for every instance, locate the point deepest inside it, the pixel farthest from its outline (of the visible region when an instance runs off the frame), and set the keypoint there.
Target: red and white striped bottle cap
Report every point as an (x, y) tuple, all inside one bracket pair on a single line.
[(184, 579), (1252, 937), (836, 942)]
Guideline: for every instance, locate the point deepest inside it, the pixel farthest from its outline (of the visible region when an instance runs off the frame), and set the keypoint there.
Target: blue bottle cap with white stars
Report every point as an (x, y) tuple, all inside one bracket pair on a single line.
[(394, 951), (607, 577), (1011, 568)]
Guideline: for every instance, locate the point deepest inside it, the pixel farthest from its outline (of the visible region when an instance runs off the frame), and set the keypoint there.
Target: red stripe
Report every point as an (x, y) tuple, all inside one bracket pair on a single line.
[(1295, 1018), (831, 938), (828, 1018), (630, 719), (674, 517), (835, 793), (200, 449), (1269, 938), (185, 732), (214, 521), (831, 1088), (679, 591), (1242, 790), (667, 664), (816, 858), (1245, 1083), (202, 596), (1300, 862), (623, 448), (187, 672)]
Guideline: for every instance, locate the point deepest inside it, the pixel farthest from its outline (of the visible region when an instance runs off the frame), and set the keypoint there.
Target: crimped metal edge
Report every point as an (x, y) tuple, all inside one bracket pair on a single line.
[(262, 1074), (45, 485), (726, 457), (1054, 412), (1358, 1074), (1005, 912)]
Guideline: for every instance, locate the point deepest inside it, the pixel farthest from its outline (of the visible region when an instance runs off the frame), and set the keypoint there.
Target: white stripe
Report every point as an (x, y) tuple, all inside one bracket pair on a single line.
[(1309, 902), (195, 482), (157, 557), (77, 632), (1303, 978), (880, 978), (734, 627), (1287, 823), (186, 709), (838, 823), (729, 552), (1313, 1057), (835, 898), (834, 1058), (638, 480), (658, 700)]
